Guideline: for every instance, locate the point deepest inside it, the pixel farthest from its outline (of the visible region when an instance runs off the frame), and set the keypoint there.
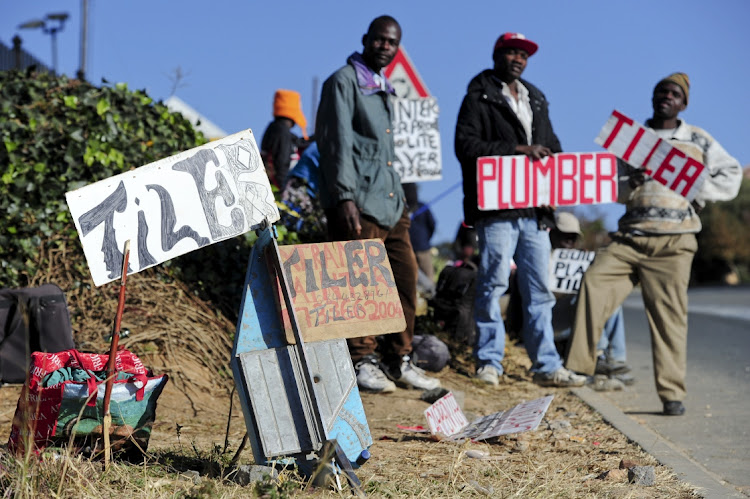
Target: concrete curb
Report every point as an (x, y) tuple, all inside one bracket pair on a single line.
[(664, 451)]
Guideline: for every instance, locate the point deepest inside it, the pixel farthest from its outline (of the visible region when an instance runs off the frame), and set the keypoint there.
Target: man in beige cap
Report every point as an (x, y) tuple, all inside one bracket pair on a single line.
[(654, 246)]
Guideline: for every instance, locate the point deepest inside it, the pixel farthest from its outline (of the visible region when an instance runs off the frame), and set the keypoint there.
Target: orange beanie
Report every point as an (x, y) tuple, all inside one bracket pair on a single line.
[(288, 104)]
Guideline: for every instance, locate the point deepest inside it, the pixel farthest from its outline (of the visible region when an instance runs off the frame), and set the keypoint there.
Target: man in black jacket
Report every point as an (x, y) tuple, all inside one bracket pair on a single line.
[(503, 115)]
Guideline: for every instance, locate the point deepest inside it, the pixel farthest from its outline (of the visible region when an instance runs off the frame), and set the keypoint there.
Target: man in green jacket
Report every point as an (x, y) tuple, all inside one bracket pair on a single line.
[(362, 194)]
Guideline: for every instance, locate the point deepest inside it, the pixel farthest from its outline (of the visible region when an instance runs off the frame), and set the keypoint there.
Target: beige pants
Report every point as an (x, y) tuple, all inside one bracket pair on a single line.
[(662, 266)]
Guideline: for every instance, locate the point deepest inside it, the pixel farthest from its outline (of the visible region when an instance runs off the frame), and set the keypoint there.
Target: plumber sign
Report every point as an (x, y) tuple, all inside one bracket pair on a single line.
[(172, 206)]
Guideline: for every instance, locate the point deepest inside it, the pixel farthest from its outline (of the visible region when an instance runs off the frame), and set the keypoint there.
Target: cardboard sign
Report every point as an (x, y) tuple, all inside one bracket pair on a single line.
[(417, 139), (523, 417), (445, 416), (566, 269), (172, 206), (343, 289), (642, 148), (563, 179)]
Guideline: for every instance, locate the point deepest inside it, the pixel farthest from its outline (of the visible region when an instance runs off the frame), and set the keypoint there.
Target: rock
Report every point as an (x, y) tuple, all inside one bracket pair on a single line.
[(247, 474), (487, 490), (602, 383), (560, 424), (477, 454), (432, 396), (191, 476), (614, 475), (641, 475), (627, 463), (521, 446)]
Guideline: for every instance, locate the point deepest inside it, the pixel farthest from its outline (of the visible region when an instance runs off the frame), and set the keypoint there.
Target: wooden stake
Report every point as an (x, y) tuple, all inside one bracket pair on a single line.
[(111, 364)]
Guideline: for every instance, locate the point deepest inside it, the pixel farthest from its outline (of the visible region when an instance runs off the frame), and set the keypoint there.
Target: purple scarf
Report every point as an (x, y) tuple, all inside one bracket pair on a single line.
[(365, 76)]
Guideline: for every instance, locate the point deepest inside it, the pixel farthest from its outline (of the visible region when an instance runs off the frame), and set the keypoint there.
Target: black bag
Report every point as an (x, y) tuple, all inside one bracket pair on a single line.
[(31, 320), (453, 303)]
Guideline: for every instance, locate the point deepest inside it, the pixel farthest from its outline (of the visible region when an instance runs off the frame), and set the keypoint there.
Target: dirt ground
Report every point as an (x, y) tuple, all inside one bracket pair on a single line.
[(562, 458)]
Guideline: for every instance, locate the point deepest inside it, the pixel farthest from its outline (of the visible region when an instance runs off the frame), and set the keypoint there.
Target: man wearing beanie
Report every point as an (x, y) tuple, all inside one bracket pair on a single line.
[(654, 246), (504, 115), (362, 194), (280, 148)]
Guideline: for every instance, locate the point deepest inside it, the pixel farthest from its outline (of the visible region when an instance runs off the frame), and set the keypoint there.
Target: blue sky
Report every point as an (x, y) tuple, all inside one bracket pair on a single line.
[(594, 56)]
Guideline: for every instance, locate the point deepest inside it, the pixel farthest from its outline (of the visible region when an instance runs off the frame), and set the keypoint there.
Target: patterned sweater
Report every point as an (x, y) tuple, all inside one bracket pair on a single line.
[(653, 209)]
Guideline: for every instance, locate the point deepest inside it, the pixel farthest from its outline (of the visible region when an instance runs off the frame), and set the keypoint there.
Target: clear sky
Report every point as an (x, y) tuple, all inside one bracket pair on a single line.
[(594, 56)]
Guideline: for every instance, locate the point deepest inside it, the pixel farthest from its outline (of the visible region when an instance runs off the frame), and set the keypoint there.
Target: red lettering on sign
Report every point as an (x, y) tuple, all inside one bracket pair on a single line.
[(633, 143), (689, 174), (562, 160), (648, 158), (584, 177), (621, 120), (667, 165), (609, 179), (543, 168), (514, 202), (481, 177)]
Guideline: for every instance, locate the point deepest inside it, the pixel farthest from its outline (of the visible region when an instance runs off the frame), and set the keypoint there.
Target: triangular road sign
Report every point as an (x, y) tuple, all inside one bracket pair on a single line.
[(404, 77)]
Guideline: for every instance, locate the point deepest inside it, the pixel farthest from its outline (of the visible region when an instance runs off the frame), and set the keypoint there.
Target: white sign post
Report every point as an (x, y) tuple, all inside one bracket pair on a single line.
[(563, 179), (417, 139), (642, 148), (172, 206)]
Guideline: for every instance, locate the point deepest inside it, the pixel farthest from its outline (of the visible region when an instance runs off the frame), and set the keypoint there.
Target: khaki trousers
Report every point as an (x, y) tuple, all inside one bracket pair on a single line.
[(404, 264), (661, 264)]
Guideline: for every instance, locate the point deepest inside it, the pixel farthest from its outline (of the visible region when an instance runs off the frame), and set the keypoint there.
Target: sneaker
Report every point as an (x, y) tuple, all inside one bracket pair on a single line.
[(410, 376), (489, 375), (561, 378), (610, 367), (370, 377), (674, 408)]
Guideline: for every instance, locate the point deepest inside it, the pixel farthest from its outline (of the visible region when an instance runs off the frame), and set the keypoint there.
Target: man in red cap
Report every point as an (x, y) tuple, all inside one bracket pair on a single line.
[(504, 115)]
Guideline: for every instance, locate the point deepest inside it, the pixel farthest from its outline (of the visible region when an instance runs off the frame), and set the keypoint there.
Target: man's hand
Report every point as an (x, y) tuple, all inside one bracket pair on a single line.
[(534, 151), (348, 216), (636, 178)]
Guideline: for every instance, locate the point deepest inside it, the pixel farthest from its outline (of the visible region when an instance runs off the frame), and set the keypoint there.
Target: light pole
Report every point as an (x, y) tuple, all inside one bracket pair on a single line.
[(59, 22)]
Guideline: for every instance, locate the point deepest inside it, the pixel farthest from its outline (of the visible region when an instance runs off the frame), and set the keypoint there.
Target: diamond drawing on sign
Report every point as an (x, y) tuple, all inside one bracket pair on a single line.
[(404, 77)]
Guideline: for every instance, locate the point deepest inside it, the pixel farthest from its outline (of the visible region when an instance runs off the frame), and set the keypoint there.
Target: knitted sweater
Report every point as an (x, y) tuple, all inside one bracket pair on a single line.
[(655, 209)]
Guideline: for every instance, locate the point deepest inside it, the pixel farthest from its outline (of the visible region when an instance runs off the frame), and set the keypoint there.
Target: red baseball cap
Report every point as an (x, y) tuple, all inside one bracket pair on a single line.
[(516, 40)]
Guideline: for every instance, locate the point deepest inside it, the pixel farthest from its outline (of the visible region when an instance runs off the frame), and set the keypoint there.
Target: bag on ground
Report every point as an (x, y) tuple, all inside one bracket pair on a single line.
[(453, 303)]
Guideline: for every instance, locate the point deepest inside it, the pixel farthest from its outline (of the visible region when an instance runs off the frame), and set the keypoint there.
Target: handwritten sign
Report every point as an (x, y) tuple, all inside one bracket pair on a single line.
[(567, 267), (642, 148), (417, 139), (172, 206), (343, 289), (564, 179), (523, 417), (445, 416)]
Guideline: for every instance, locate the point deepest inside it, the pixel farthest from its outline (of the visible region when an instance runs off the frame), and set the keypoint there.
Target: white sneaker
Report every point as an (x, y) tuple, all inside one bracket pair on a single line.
[(560, 378), (414, 377), (370, 378), (489, 375)]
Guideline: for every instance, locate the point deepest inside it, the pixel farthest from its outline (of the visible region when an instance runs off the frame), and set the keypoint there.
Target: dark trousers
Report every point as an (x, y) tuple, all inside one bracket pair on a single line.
[(404, 265)]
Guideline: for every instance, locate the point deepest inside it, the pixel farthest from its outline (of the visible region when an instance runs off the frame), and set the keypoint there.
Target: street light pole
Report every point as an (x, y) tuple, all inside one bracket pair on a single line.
[(38, 23)]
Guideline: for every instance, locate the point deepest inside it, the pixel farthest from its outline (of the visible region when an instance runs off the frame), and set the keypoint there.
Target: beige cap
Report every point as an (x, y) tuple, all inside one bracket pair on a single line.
[(567, 222)]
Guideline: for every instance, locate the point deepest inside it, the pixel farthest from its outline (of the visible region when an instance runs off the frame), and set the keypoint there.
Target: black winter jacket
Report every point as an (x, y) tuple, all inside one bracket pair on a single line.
[(487, 126)]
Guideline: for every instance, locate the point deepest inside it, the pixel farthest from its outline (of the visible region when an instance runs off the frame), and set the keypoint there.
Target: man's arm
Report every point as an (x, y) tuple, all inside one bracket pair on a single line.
[(724, 175)]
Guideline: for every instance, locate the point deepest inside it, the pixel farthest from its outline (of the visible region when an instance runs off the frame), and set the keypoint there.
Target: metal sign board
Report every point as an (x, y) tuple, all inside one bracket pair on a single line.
[(404, 77)]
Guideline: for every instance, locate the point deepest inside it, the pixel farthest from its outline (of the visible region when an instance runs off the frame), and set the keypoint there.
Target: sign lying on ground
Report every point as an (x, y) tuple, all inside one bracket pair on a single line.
[(172, 206), (343, 289), (445, 417), (566, 269), (417, 139), (642, 148), (563, 179)]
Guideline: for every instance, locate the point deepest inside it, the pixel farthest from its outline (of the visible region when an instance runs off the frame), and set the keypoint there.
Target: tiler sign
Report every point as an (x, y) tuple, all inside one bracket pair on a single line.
[(642, 148), (564, 179), (172, 206)]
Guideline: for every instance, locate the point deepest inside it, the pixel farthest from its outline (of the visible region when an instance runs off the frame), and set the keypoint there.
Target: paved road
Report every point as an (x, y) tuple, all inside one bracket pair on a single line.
[(715, 431)]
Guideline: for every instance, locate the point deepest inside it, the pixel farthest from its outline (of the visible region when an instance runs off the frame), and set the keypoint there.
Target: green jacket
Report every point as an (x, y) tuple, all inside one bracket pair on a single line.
[(355, 139)]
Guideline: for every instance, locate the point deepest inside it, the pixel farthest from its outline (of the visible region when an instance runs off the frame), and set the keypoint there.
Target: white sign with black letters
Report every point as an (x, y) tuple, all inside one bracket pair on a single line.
[(566, 269), (172, 206), (417, 139)]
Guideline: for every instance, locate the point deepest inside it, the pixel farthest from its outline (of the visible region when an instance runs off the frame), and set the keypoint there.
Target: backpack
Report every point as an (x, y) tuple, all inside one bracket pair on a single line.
[(31, 320), (453, 303)]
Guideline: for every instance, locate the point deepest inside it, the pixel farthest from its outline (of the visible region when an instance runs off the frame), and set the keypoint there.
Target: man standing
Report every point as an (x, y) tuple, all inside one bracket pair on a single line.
[(362, 195), (654, 245), (280, 148), (503, 115)]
